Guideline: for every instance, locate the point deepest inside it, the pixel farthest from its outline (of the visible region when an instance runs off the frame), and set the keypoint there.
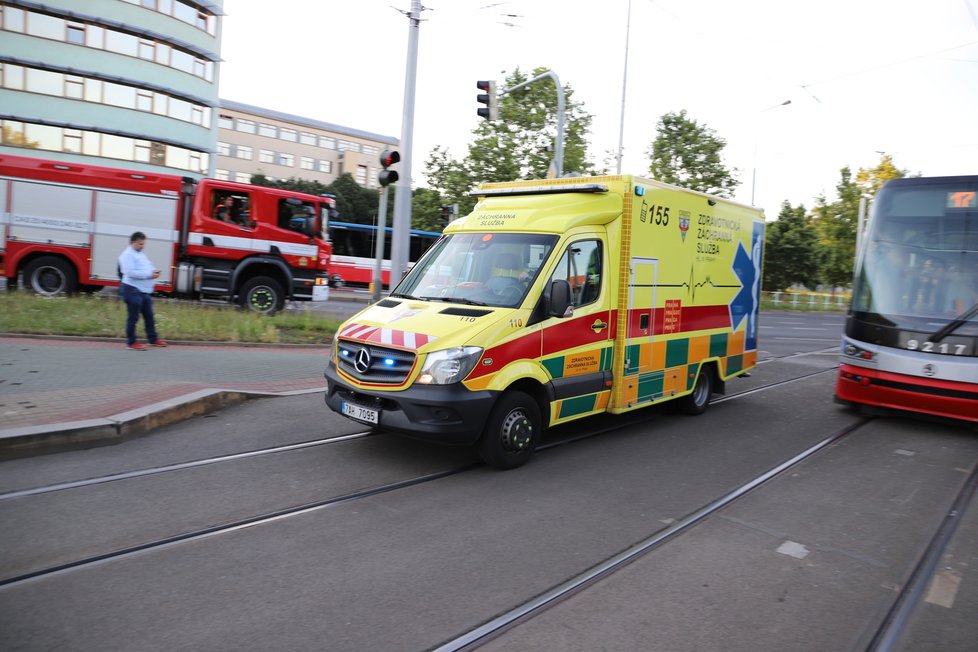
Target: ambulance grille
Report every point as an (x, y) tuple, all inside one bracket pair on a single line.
[(374, 364)]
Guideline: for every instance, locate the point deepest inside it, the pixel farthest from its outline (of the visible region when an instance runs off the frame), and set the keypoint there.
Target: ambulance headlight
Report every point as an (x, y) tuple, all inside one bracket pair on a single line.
[(449, 365)]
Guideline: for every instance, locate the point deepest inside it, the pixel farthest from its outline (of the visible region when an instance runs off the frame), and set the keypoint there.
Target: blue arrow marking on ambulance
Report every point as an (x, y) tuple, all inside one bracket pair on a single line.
[(743, 303)]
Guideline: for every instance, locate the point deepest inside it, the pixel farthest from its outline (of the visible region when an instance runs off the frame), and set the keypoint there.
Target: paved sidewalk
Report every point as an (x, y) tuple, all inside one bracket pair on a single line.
[(65, 392)]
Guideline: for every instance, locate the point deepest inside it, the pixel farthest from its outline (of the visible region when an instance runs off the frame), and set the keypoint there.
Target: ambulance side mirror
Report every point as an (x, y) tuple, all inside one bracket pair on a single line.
[(560, 303)]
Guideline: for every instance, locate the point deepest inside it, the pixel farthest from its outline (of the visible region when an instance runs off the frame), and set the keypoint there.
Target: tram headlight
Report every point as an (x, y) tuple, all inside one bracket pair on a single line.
[(449, 365), (854, 351)]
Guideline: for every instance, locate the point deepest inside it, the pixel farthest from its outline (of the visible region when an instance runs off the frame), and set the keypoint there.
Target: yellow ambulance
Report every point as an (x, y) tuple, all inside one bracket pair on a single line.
[(554, 300)]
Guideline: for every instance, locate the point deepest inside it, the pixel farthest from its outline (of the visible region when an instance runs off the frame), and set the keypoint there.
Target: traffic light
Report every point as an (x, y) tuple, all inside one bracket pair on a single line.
[(388, 158), (488, 97), (446, 213)]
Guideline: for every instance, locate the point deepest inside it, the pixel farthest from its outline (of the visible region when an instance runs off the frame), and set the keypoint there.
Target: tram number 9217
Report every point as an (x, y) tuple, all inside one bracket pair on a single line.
[(945, 347)]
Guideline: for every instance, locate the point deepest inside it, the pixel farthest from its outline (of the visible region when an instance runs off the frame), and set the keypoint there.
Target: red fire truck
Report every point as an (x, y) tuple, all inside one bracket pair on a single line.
[(63, 226)]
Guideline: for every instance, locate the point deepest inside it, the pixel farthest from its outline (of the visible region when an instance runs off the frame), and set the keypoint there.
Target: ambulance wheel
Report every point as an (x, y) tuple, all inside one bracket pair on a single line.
[(50, 276), (512, 432), (697, 401), (262, 294)]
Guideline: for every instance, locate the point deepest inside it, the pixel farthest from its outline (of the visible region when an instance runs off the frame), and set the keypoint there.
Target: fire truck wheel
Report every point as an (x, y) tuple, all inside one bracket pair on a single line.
[(50, 276), (512, 432), (262, 294), (697, 402)]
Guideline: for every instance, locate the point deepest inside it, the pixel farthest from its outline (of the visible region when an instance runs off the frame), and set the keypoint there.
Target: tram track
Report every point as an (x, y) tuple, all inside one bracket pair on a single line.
[(231, 457), (621, 422), (484, 633), (912, 593)]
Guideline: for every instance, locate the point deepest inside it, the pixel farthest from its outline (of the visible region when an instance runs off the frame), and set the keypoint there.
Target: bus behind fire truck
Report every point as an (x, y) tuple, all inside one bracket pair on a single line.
[(63, 226)]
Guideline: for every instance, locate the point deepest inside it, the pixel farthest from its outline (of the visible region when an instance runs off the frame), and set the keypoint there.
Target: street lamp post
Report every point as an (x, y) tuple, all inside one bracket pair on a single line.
[(753, 180)]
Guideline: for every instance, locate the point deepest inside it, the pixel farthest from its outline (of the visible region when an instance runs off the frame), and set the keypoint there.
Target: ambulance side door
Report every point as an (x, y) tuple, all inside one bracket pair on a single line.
[(577, 349)]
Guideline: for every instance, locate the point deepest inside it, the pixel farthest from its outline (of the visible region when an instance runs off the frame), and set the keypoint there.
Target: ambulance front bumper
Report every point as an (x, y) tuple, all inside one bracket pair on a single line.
[(446, 414)]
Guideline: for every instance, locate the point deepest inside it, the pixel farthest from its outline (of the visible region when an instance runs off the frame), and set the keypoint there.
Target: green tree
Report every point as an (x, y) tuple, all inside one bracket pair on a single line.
[(519, 145), (837, 222), (426, 210), (790, 250), (688, 154), (870, 180)]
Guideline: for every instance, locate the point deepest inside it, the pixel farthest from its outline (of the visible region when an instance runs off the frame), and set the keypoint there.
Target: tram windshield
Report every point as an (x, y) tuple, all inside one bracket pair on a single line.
[(919, 268)]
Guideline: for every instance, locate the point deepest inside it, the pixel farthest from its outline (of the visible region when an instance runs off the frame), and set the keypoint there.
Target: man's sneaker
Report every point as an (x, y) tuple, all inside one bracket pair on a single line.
[(158, 343), (136, 346)]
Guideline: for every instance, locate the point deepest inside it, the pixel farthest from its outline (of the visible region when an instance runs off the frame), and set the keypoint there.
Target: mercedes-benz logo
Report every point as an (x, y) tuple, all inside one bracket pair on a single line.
[(929, 369), (362, 362)]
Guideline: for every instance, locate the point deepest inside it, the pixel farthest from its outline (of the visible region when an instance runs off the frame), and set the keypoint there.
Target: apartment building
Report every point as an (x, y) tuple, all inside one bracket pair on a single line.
[(128, 83), (253, 140)]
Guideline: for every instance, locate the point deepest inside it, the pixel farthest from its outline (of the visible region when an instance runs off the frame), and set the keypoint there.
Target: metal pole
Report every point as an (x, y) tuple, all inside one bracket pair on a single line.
[(402, 198), (378, 280), (559, 145), (624, 85)]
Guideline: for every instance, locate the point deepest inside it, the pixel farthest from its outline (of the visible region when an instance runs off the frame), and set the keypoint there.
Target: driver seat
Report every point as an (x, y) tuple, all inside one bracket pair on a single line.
[(505, 273)]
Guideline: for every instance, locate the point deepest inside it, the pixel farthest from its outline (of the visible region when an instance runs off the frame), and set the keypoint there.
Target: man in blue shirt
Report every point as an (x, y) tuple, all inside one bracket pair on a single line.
[(138, 278)]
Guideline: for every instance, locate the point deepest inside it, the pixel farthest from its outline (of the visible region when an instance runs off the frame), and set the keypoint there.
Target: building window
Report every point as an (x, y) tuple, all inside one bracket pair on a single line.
[(222, 175), (142, 151), (144, 100), (13, 19), (147, 50), (286, 159), (288, 134), (245, 126), (225, 121), (266, 156), (327, 143), (362, 175), (223, 149), (326, 166), (75, 87), (267, 130), (307, 138), (307, 163), (93, 143), (73, 140), (242, 177), (243, 151), (75, 33)]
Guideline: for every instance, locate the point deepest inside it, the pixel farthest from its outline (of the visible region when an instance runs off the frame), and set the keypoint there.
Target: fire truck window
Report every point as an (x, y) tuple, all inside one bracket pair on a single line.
[(223, 204), (292, 214), (231, 207)]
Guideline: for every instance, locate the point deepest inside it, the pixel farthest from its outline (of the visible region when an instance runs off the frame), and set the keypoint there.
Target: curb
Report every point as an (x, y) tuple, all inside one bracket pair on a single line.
[(121, 340), (72, 435)]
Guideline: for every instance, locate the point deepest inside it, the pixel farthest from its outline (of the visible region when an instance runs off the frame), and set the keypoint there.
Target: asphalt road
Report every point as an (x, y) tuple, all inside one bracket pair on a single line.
[(372, 542)]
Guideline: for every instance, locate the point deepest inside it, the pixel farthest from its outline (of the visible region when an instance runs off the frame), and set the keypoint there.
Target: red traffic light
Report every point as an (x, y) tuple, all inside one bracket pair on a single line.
[(491, 109), (389, 157)]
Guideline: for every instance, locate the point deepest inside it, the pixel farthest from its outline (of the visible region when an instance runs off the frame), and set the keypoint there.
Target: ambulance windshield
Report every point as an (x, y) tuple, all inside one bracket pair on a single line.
[(485, 269)]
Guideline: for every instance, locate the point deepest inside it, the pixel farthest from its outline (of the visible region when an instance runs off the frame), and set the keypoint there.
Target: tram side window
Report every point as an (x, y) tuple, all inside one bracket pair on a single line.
[(581, 266)]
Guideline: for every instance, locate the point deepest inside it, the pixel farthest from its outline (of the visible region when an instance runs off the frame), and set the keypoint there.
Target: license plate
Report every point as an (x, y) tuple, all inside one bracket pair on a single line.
[(360, 413)]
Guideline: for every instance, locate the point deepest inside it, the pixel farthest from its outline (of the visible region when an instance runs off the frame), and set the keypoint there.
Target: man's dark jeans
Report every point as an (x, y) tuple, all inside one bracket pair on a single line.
[(138, 303)]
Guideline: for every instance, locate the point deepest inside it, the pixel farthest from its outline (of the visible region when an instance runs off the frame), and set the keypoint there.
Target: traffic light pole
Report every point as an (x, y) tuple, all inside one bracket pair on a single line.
[(378, 279), (559, 145), (402, 198)]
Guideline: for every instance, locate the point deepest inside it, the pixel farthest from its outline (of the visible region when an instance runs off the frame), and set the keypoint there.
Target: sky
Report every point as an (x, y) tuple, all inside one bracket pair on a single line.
[(862, 77)]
